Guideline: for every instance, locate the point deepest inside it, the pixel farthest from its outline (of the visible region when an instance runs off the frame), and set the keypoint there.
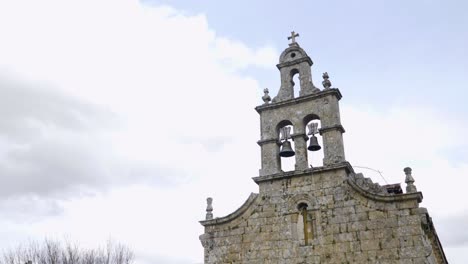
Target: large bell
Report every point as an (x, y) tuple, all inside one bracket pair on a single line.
[(313, 144), (286, 150)]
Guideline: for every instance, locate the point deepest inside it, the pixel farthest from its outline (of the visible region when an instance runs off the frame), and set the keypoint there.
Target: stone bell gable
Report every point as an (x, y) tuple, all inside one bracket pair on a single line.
[(317, 213)]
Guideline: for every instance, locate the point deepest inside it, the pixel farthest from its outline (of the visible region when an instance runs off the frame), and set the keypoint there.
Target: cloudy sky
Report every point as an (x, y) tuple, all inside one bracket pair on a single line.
[(119, 117)]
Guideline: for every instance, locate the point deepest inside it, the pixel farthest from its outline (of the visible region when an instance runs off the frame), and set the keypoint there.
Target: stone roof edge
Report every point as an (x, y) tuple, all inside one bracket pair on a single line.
[(323, 93), (439, 246), (434, 237), (386, 198), (233, 215)]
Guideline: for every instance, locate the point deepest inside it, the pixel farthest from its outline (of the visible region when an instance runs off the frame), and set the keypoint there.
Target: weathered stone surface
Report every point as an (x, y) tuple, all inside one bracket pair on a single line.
[(266, 228)]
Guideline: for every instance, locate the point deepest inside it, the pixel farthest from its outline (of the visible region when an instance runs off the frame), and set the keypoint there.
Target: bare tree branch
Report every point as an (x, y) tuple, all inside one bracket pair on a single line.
[(56, 252)]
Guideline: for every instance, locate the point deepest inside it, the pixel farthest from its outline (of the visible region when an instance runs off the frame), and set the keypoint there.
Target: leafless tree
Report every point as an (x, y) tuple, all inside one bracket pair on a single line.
[(57, 252)]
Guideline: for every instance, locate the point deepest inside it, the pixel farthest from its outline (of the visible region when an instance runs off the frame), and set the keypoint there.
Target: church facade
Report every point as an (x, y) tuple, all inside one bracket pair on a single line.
[(326, 214)]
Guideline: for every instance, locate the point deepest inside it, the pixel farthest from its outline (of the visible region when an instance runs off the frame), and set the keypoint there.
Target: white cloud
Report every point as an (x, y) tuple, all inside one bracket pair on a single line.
[(159, 72), (237, 55), (113, 92), (408, 137)]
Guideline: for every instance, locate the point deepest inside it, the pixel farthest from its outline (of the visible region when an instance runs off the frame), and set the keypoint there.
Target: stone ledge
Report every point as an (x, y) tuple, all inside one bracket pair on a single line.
[(300, 135), (323, 93), (335, 127), (232, 216), (277, 141), (266, 141), (289, 174)]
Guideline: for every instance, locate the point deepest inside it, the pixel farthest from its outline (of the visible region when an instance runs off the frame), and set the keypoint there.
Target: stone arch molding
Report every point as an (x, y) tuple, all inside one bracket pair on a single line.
[(293, 53), (309, 117), (297, 199), (283, 123)]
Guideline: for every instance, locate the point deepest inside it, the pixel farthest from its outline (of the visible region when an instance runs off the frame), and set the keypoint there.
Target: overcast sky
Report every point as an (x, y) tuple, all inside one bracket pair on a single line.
[(119, 117)]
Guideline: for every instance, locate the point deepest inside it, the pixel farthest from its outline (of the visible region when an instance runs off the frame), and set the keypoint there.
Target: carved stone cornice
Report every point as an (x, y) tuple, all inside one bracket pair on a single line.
[(294, 62), (333, 91), (266, 141), (329, 128), (289, 174)]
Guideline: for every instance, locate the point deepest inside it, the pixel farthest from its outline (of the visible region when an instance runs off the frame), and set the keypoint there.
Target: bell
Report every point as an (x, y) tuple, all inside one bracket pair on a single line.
[(314, 145), (286, 150)]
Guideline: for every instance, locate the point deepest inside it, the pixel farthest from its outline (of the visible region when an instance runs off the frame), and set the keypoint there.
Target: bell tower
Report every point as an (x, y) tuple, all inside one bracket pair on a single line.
[(324, 214), (286, 112)]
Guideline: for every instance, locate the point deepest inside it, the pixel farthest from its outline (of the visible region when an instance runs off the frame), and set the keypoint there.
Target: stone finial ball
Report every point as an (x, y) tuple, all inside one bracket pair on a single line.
[(407, 170), (209, 199)]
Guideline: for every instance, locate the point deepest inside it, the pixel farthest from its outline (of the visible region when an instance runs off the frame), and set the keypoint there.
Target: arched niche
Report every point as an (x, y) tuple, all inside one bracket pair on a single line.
[(282, 124), (293, 53), (285, 163), (315, 158), (295, 80)]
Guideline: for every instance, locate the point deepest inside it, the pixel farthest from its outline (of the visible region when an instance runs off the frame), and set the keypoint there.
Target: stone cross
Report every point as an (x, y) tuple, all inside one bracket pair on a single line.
[(293, 37)]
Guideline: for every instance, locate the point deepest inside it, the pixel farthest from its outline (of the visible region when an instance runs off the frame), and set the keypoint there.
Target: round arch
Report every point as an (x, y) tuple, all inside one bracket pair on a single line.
[(309, 117), (281, 124)]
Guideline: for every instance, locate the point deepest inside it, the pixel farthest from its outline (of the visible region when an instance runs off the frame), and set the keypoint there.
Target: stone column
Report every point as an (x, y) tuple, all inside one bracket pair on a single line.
[(333, 149), (300, 147), (271, 163), (409, 180), (307, 87)]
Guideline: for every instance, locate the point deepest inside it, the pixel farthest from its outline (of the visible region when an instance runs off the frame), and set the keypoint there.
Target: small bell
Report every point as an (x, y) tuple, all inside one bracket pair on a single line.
[(286, 150), (313, 145)]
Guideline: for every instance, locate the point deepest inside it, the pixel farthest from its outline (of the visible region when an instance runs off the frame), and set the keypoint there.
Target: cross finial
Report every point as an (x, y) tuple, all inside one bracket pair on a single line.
[(293, 38)]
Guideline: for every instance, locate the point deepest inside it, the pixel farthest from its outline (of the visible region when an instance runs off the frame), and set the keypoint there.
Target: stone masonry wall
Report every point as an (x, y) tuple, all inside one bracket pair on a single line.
[(350, 225)]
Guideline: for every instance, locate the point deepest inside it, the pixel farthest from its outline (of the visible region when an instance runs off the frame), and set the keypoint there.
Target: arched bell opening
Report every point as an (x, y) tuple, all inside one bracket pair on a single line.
[(286, 145), (315, 143), (295, 82)]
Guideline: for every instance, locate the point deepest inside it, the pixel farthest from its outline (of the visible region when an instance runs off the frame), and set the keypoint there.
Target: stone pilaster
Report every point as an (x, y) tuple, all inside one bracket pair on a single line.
[(300, 147), (333, 148), (271, 163)]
